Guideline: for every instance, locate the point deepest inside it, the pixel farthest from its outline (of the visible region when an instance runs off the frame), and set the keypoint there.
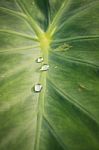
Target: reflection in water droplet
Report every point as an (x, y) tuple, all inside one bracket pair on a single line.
[(39, 60), (45, 67), (38, 87)]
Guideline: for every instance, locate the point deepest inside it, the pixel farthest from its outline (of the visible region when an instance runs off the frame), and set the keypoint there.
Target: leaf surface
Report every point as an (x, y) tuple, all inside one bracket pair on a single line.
[(65, 114)]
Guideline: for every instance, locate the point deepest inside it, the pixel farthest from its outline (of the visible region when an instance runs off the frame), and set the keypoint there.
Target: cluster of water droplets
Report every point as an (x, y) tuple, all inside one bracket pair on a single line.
[(45, 67)]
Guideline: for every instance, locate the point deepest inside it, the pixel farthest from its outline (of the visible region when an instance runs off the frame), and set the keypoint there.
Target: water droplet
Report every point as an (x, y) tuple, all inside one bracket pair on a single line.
[(38, 87), (45, 67), (39, 60)]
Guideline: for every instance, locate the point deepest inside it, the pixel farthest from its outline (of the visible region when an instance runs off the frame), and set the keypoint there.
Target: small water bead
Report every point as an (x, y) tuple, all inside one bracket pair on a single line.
[(38, 87), (45, 67), (39, 60)]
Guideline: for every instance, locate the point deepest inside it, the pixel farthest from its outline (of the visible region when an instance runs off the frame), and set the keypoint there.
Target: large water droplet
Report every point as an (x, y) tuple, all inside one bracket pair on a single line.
[(39, 60), (38, 87), (45, 67)]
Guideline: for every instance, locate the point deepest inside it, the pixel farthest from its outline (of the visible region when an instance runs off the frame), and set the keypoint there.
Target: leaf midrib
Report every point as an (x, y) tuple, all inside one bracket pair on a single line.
[(40, 114)]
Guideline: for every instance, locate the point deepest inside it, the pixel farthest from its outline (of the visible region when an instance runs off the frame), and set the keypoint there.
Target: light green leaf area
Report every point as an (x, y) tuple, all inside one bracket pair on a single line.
[(64, 115)]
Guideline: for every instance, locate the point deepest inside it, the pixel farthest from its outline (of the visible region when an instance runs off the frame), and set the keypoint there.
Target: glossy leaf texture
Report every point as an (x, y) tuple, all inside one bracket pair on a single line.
[(64, 115)]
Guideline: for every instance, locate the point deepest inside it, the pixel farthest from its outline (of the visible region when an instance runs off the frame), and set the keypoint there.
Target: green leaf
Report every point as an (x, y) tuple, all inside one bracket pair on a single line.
[(64, 115)]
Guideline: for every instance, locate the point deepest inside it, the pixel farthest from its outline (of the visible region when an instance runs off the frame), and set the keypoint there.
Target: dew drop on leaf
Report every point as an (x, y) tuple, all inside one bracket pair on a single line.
[(38, 87), (45, 67), (39, 60)]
